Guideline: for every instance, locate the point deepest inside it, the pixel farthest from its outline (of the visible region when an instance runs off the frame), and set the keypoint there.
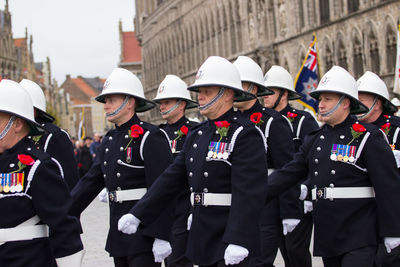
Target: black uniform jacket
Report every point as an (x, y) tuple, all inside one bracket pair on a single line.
[(44, 194), (279, 152), (112, 169), (57, 144), (392, 129), (182, 201), (242, 174), (343, 225)]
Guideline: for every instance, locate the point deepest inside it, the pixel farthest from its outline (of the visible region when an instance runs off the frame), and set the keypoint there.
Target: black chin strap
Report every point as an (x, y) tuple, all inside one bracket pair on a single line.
[(278, 100)]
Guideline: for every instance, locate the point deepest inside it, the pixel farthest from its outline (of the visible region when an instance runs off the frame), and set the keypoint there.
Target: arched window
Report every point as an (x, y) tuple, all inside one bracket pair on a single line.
[(353, 5), (357, 58), (301, 14), (231, 23), (342, 57), (374, 54), (328, 58), (324, 11), (390, 49)]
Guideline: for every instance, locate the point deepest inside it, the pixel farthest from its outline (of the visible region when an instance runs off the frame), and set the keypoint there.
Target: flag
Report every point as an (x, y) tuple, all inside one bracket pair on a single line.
[(307, 77), (81, 130), (396, 86)]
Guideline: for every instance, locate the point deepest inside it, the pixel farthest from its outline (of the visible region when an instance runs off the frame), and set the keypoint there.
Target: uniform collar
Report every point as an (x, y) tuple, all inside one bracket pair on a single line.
[(224, 117), (381, 120), (179, 122), (286, 110), (257, 107), (350, 120), (20, 147), (134, 120)]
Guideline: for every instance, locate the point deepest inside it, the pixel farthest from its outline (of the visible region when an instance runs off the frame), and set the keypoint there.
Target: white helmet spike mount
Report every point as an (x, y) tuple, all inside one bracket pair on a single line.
[(217, 71), (38, 98), (371, 83), (251, 72), (338, 80), (278, 77), (122, 81), (15, 100), (172, 87)]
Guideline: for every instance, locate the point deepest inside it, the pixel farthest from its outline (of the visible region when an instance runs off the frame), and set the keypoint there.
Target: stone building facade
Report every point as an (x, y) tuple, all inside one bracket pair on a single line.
[(176, 36)]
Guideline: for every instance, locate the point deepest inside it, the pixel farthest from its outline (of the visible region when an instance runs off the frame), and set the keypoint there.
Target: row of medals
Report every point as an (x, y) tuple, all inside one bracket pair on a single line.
[(218, 150), (345, 156), (15, 187)]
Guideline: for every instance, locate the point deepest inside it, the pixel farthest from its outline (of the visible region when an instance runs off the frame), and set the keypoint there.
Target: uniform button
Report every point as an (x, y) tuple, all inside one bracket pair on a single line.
[(322, 137), (126, 136), (315, 173), (318, 148), (104, 175), (29, 137), (191, 159), (316, 161), (121, 148), (42, 124), (107, 150), (234, 118), (187, 122), (194, 145), (110, 138), (333, 172), (191, 189), (12, 165), (200, 132), (29, 149), (205, 190), (119, 161), (175, 132), (342, 137), (190, 174), (206, 174), (141, 122), (118, 174), (263, 108), (105, 163)]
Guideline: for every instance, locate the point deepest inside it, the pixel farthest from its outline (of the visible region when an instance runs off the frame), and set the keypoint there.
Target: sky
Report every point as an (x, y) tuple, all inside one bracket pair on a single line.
[(80, 37)]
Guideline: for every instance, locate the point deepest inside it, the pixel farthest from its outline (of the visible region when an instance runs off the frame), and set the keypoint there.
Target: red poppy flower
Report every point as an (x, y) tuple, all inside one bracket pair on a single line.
[(256, 117), (291, 115), (386, 116), (358, 128), (136, 131), (26, 159), (184, 130), (225, 124), (386, 126), (218, 124)]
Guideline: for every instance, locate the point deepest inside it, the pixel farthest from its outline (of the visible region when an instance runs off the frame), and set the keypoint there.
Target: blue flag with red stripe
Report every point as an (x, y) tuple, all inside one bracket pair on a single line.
[(308, 76)]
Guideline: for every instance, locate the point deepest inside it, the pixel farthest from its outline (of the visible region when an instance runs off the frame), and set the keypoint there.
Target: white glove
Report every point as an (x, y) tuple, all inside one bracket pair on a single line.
[(396, 154), (303, 192), (308, 206), (128, 224), (161, 250), (103, 196), (391, 243), (189, 222), (235, 254), (289, 225)]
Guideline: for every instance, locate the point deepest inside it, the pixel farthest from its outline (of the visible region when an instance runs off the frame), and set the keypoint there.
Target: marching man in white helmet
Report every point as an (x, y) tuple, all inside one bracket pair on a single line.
[(353, 178), (224, 169), (35, 229), (395, 101), (174, 98), (129, 160), (280, 216), (373, 93), (54, 141), (295, 248)]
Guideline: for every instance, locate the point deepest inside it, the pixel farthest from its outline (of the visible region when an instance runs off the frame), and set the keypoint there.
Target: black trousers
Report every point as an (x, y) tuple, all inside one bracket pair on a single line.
[(178, 244), (244, 263), (270, 235), (137, 260), (363, 257), (295, 246), (384, 259)]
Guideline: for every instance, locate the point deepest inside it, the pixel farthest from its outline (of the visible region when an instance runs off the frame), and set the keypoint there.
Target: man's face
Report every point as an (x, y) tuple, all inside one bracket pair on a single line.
[(269, 100), (166, 105), (96, 137), (112, 102), (205, 95), (243, 104), (327, 101)]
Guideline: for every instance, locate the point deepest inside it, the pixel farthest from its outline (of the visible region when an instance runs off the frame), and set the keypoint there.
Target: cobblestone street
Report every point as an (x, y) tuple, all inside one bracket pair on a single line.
[(95, 226)]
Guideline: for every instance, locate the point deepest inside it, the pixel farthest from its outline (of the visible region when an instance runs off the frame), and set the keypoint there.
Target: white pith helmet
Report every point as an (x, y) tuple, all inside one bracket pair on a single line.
[(279, 77), (15, 100), (372, 84), (338, 80), (122, 81), (251, 72), (37, 96), (173, 87), (395, 101), (218, 71)]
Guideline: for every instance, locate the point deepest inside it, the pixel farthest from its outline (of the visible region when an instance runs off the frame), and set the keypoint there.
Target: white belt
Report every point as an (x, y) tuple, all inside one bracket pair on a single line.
[(25, 231), (125, 195), (270, 171), (332, 193), (210, 199)]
